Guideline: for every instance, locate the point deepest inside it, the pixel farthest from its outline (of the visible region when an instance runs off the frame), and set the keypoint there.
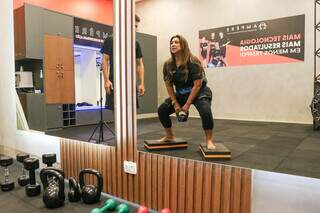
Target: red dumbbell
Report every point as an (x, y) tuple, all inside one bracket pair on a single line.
[(142, 209), (166, 210)]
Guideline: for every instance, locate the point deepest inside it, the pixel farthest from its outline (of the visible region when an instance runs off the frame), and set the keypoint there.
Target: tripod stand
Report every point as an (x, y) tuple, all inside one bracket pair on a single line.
[(101, 123)]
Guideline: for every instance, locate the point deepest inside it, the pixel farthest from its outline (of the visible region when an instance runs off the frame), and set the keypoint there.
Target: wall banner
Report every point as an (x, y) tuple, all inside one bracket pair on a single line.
[(263, 42), (88, 33)]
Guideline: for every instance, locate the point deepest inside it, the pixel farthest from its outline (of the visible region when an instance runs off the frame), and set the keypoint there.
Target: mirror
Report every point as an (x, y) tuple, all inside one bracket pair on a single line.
[(58, 69), (258, 66), (59, 75)]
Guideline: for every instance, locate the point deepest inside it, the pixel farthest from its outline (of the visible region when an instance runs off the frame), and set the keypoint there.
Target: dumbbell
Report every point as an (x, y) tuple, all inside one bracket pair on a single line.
[(123, 208), (142, 209), (49, 159), (109, 205), (7, 185), (33, 188), (23, 180), (166, 210)]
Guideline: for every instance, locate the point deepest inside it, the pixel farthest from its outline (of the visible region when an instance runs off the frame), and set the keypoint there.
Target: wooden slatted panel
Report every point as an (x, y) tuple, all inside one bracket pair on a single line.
[(82, 161), (78, 166), (235, 190), (245, 203), (160, 181), (148, 181), (182, 185), (114, 171), (207, 182), (86, 160), (108, 171), (136, 181), (64, 158), (216, 189), (142, 175), (226, 192), (174, 184), (198, 183), (76, 155), (190, 186), (90, 162), (166, 182), (154, 185)]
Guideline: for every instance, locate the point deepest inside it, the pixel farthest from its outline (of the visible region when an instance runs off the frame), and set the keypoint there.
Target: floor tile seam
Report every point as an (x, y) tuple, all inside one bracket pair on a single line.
[(286, 157), (239, 155)]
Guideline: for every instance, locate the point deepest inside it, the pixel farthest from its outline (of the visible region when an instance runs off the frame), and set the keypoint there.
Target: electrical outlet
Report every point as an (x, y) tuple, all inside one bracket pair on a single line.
[(130, 167)]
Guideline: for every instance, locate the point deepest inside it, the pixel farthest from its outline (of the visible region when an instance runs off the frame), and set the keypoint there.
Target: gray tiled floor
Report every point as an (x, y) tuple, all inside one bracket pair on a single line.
[(280, 147)]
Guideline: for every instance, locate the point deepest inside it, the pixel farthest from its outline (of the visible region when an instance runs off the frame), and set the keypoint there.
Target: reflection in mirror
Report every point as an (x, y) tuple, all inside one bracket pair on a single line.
[(261, 112), (59, 78)]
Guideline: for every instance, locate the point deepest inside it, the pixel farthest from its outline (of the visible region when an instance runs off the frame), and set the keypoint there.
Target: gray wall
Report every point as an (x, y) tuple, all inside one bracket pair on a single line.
[(149, 102)]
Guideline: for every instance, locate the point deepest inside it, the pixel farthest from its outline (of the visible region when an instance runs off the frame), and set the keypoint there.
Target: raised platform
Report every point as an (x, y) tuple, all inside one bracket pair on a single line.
[(220, 152), (156, 145)]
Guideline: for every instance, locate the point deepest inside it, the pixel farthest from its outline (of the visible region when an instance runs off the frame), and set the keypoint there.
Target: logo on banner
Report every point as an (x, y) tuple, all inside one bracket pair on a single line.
[(89, 33), (247, 27), (263, 26)]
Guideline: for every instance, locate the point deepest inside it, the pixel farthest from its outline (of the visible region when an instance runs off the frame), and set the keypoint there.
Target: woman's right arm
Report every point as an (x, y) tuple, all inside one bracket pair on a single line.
[(172, 96), (169, 85)]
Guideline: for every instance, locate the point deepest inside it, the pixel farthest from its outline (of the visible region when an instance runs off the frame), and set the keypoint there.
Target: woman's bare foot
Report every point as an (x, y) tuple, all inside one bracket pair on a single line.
[(167, 139), (210, 146), (209, 139)]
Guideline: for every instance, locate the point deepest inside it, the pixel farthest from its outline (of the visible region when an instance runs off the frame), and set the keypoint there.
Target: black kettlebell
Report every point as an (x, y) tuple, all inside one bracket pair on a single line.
[(182, 115), (52, 180), (90, 193), (74, 194), (55, 169), (53, 195)]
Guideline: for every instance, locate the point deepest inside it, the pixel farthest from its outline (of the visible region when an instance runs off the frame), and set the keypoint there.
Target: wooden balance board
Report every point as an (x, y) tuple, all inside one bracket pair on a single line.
[(220, 152), (156, 145)]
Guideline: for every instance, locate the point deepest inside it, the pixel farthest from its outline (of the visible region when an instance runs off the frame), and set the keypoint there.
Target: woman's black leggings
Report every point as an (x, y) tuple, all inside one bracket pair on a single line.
[(203, 106)]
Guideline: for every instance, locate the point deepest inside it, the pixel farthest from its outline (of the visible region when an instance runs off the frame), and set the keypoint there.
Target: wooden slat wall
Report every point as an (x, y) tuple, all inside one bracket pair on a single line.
[(163, 181)]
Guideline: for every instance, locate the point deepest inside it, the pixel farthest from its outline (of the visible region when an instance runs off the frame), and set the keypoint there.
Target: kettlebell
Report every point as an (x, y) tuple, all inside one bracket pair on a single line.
[(182, 115), (74, 194), (51, 180), (90, 193), (53, 195)]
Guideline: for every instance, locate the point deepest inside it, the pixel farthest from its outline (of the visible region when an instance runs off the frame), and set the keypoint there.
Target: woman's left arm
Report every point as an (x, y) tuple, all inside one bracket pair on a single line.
[(194, 92)]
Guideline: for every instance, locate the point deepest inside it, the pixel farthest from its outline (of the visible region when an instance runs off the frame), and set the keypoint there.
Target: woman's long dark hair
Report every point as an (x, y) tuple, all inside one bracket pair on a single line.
[(186, 54)]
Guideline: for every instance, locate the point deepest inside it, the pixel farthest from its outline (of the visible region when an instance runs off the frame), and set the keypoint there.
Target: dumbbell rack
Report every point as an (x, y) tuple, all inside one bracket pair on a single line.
[(316, 73)]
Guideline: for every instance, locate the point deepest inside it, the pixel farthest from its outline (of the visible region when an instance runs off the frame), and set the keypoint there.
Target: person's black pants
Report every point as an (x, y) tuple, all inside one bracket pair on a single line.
[(203, 106), (109, 104)]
